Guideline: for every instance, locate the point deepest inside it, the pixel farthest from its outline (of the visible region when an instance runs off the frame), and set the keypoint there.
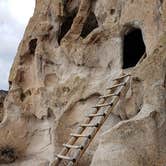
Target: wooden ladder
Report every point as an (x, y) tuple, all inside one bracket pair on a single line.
[(85, 133)]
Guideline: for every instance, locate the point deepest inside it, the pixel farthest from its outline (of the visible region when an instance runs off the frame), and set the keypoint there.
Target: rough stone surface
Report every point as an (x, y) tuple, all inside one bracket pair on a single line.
[(54, 82), (3, 95)]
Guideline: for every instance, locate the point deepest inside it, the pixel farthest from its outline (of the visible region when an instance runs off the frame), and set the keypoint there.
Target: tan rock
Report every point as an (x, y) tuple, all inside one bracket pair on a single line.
[(59, 72), (3, 95)]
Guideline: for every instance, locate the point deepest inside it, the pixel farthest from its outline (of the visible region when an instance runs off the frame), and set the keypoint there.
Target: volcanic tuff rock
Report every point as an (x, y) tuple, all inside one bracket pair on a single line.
[(68, 56), (3, 95)]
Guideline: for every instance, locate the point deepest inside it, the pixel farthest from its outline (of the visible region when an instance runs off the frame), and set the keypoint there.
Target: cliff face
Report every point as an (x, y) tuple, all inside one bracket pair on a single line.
[(3, 95), (68, 56)]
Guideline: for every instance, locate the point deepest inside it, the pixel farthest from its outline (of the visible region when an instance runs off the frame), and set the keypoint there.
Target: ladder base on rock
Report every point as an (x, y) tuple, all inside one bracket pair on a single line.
[(118, 89)]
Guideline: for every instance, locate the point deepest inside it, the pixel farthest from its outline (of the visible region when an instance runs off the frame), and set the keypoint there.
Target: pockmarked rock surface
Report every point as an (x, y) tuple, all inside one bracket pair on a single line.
[(69, 54), (3, 95)]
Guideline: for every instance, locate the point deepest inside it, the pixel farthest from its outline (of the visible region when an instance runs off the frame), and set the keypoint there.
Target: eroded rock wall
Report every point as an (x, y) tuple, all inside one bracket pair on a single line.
[(140, 141), (3, 95), (62, 66)]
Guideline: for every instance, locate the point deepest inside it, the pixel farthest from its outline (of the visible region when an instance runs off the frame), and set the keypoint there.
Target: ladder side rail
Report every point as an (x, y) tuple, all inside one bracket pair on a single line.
[(86, 143), (72, 140)]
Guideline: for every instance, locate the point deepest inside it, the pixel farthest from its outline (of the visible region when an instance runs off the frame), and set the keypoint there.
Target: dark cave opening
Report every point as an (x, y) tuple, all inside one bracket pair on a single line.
[(89, 25), (32, 46), (7, 155), (133, 48), (66, 25)]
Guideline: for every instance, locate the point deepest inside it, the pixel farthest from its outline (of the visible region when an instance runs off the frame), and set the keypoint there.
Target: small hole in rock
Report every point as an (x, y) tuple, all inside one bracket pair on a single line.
[(10, 84), (22, 97), (1, 105), (66, 89), (165, 82), (32, 46), (50, 112), (112, 11), (7, 155)]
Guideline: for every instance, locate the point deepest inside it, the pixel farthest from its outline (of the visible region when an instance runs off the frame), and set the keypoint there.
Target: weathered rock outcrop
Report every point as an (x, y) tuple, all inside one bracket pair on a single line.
[(3, 95), (141, 141), (68, 56)]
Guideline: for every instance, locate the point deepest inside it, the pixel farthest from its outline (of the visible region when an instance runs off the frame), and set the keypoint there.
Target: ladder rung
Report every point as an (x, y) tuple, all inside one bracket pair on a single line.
[(95, 115), (80, 135), (73, 146), (103, 105), (66, 158), (90, 125), (89, 136), (117, 85), (109, 95), (123, 76)]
